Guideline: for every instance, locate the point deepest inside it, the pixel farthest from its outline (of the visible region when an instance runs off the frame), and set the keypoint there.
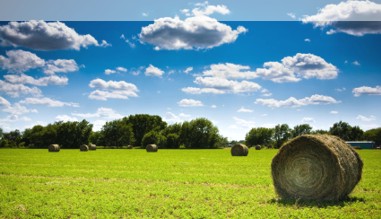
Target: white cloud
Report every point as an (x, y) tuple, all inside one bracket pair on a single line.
[(18, 109), (48, 102), (291, 15), (266, 93), (357, 63), (366, 118), (341, 89), (315, 99), (206, 9), (153, 71), (105, 44), (144, 14), (196, 90), (213, 106), (293, 69), (15, 90), (121, 69), (243, 123), (173, 118), (18, 61), (334, 112), (226, 85), (66, 118), (198, 32), (187, 70), (4, 102), (116, 70), (112, 90), (43, 35), (308, 120), (351, 17), (190, 103), (102, 112), (307, 40), (60, 66), (230, 71), (109, 71), (43, 81), (365, 90), (244, 110)]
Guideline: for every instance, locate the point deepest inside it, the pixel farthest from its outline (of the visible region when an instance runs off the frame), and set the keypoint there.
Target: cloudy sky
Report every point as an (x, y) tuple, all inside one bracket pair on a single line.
[(195, 60)]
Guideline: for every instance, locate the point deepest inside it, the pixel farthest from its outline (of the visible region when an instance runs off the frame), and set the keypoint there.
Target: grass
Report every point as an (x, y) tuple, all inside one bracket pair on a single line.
[(167, 184)]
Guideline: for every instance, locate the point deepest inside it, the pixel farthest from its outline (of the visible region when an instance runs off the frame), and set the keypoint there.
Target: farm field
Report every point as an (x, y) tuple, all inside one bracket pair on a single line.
[(169, 184)]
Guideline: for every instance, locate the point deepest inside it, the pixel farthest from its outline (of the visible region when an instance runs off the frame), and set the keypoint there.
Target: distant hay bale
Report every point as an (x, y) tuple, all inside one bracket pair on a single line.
[(258, 147), (92, 147), (239, 150), (130, 146), (54, 148), (316, 167), (84, 147), (151, 148)]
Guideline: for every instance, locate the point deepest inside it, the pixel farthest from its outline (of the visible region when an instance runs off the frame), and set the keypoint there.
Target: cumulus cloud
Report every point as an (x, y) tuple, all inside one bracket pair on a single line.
[(366, 118), (308, 120), (20, 61), (173, 118), (43, 81), (187, 70), (116, 70), (244, 110), (102, 112), (48, 102), (16, 90), (4, 102), (66, 118), (295, 68), (41, 35), (112, 90), (197, 31), (315, 99), (351, 17), (365, 90), (230, 70), (153, 71), (197, 90), (190, 103), (225, 85), (18, 109)]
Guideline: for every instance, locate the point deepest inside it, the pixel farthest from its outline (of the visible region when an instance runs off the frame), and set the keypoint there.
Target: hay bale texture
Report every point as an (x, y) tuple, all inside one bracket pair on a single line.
[(130, 146), (239, 150), (258, 147), (316, 167), (92, 147), (84, 147), (151, 148), (54, 148)]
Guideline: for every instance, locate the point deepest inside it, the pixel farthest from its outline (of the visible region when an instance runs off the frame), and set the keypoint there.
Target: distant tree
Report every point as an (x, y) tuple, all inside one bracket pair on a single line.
[(199, 133), (116, 133), (373, 135), (320, 131), (301, 130), (154, 137), (11, 139), (39, 136), (144, 123), (259, 136), (282, 133), (96, 138), (73, 134), (173, 141), (346, 132), (1, 133)]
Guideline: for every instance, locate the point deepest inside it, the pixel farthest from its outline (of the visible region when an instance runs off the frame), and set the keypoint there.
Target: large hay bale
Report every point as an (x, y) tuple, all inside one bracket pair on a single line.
[(316, 167), (258, 147), (84, 147), (239, 150), (54, 148), (92, 147), (130, 146), (151, 148)]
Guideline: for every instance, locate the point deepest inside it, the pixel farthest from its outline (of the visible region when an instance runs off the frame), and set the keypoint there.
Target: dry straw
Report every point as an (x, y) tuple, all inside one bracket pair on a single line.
[(258, 147), (151, 148), (84, 147), (54, 148), (316, 167), (239, 150), (92, 147)]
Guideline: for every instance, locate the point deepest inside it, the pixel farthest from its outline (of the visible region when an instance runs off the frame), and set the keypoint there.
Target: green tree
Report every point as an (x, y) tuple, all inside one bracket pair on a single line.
[(259, 136), (199, 133), (346, 131), (154, 137), (73, 134), (144, 123), (173, 140), (11, 139), (301, 130), (116, 133), (282, 133), (373, 135)]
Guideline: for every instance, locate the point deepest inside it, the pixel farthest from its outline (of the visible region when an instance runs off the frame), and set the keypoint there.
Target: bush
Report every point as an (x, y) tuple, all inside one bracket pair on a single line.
[(154, 137)]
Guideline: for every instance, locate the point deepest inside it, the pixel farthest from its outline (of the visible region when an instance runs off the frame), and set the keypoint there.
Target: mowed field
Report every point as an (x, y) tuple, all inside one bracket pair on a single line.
[(167, 184)]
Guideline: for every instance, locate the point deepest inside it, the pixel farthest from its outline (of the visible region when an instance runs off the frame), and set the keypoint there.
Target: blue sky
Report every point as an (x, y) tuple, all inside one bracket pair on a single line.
[(238, 74)]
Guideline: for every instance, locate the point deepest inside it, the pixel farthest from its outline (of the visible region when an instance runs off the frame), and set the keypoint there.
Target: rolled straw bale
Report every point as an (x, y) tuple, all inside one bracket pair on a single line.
[(316, 167), (258, 147), (239, 150), (92, 147), (130, 146), (54, 148), (84, 147), (151, 148)]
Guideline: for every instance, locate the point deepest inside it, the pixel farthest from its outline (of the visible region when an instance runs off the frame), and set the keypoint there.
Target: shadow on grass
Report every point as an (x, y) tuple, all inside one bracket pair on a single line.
[(313, 203)]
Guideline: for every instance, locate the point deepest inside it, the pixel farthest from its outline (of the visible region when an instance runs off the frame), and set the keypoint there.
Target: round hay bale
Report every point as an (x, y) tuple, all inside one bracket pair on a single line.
[(239, 150), (84, 147), (258, 147), (151, 148), (316, 167), (54, 148), (92, 147), (130, 146)]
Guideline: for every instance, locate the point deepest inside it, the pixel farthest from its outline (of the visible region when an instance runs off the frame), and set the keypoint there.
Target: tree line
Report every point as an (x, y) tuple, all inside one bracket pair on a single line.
[(143, 129)]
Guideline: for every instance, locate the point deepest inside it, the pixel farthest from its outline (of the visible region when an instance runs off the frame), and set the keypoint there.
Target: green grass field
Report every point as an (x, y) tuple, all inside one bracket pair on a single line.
[(167, 184)]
